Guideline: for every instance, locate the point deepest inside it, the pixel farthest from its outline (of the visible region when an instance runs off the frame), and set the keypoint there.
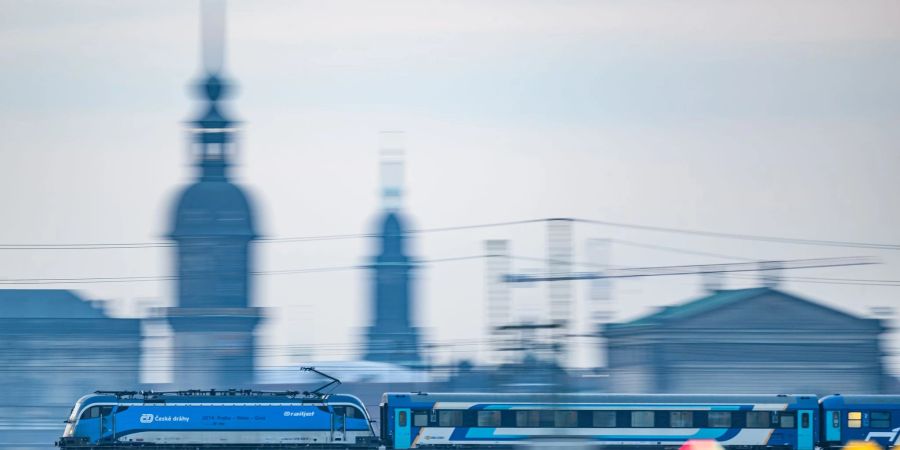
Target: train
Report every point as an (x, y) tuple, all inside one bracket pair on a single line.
[(280, 420)]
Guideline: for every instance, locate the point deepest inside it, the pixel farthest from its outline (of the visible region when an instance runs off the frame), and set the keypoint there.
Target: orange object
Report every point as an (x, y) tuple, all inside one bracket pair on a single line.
[(704, 444)]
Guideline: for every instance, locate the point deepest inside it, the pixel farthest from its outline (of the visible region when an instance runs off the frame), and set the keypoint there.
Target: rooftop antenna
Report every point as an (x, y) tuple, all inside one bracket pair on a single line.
[(317, 392)]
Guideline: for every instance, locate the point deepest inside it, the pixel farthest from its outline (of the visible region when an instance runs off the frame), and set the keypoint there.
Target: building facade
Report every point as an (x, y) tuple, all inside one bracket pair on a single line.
[(213, 227), (759, 340), (56, 347)]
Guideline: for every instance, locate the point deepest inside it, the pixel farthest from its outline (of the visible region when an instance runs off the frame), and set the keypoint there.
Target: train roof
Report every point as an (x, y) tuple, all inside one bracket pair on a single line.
[(838, 400), (483, 397), (231, 396)]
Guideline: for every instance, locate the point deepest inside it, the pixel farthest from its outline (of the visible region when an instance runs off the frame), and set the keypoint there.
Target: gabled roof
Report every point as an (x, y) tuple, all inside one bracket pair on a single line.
[(719, 299), (45, 304)]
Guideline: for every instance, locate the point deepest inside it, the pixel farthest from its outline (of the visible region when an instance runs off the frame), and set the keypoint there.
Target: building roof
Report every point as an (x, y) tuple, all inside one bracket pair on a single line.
[(46, 304), (718, 300)]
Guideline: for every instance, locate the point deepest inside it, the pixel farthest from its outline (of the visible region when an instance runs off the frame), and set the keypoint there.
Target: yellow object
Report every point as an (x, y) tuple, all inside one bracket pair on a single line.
[(854, 419), (862, 445)]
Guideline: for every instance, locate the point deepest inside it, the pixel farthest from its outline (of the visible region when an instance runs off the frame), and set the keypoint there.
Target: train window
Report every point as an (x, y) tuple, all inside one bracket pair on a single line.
[(355, 413), (565, 419), (420, 419), (719, 419), (450, 418), (880, 419), (402, 419), (642, 419), (854, 419), (528, 419), (91, 413), (835, 419), (681, 419), (786, 420), (488, 418), (758, 419), (605, 419)]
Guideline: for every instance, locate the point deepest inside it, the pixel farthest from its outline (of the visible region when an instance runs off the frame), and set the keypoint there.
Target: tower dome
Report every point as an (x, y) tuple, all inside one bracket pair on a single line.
[(213, 208)]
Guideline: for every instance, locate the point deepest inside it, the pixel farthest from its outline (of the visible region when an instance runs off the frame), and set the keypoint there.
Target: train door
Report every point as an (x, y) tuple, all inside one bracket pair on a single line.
[(832, 421), (402, 435), (338, 424), (106, 422), (805, 430)]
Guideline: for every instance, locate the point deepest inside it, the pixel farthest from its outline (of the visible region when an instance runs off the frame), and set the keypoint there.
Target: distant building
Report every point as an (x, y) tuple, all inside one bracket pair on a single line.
[(213, 227), (759, 340), (54, 348), (392, 337)]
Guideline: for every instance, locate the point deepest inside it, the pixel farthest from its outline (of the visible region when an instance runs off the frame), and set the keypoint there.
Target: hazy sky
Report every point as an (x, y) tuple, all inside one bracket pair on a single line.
[(762, 117)]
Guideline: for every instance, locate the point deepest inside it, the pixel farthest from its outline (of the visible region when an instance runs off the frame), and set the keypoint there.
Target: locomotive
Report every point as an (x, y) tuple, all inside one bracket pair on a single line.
[(234, 417)]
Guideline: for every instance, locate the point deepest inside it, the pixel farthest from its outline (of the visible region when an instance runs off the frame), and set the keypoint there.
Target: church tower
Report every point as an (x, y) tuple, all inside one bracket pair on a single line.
[(213, 227), (392, 338)]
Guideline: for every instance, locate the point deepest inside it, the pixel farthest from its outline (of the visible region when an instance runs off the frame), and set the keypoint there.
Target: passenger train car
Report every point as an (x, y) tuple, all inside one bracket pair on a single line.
[(860, 418), (216, 417), (484, 420)]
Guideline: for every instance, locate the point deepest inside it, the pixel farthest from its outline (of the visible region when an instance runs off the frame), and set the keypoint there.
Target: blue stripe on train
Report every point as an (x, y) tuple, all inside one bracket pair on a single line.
[(479, 434)]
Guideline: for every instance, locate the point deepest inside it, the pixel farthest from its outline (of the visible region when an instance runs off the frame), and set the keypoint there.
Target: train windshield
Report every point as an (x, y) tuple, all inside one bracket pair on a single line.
[(70, 422)]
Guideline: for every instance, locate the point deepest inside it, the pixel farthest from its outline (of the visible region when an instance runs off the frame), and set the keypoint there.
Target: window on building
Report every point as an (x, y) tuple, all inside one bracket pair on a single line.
[(528, 419), (880, 419), (787, 420), (854, 419), (719, 419), (565, 419), (420, 419), (681, 419), (758, 419), (642, 419), (450, 418), (604, 419), (488, 418)]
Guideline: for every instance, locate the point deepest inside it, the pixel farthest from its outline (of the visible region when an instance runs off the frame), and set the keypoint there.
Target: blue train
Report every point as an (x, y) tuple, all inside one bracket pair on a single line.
[(116, 419), (452, 420), (232, 419), (860, 418)]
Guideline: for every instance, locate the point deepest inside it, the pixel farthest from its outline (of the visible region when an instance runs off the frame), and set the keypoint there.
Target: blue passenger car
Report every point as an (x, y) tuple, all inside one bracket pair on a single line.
[(412, 420), (860, 418), (211, 417)]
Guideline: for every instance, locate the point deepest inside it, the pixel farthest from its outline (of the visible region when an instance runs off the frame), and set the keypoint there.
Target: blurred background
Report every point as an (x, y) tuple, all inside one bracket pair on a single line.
[(598, 196)]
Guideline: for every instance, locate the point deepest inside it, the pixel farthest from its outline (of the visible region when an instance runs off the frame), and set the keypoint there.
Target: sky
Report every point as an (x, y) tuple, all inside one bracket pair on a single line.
[(760, 117)]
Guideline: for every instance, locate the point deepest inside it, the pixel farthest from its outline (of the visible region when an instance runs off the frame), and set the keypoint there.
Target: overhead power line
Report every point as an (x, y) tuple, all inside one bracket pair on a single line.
[(632, 272), (745, 237), (330, 237), (609, 272)]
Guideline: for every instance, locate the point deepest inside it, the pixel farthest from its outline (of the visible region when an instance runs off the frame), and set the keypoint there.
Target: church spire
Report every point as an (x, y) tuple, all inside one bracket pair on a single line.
[(391, 148), (213, 131)]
